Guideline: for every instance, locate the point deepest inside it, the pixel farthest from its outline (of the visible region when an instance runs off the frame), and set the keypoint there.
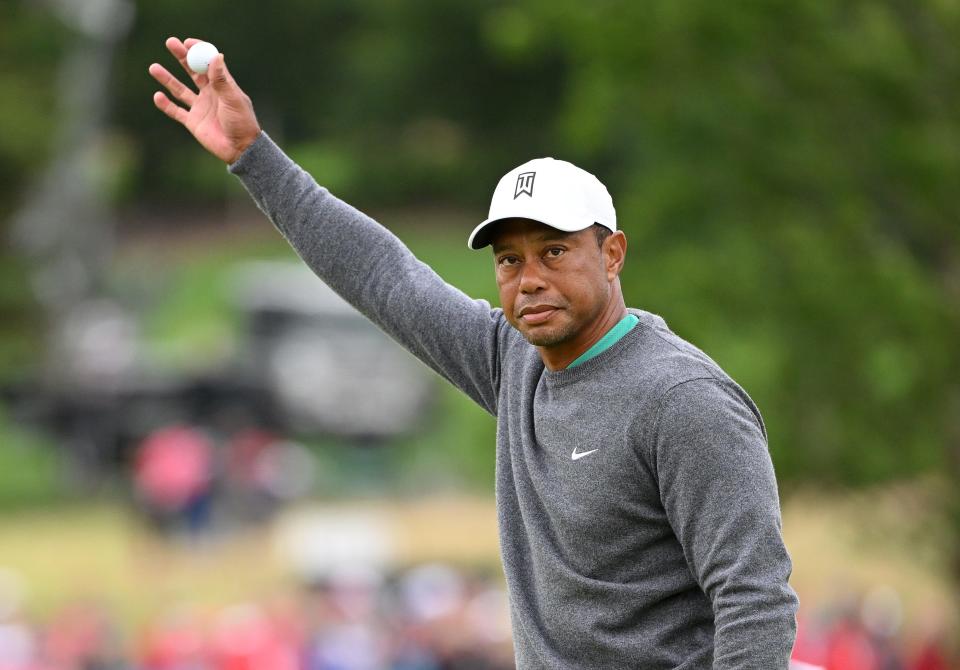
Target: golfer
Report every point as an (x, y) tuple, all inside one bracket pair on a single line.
[(636, 501)]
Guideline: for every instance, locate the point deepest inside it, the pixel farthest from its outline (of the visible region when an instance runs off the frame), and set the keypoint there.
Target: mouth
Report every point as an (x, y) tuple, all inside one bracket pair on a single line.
[(536, 314)]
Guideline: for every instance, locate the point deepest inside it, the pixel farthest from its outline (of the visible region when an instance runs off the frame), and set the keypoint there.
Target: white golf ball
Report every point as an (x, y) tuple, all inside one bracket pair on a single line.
[(200, 55)]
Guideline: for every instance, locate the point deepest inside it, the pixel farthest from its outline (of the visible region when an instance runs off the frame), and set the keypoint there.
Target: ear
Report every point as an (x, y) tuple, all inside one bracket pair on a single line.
[(614, 253)]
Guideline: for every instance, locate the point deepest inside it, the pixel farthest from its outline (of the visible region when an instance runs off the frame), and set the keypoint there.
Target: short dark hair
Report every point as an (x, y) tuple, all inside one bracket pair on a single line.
[(602, 233)]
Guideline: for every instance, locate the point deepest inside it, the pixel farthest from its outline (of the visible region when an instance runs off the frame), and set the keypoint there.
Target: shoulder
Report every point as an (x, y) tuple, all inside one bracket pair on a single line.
[(664, 360), (677, 375)]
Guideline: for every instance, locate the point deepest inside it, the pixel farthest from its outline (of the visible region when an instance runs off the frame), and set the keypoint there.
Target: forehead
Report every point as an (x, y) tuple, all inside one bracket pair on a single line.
[(518, 231)]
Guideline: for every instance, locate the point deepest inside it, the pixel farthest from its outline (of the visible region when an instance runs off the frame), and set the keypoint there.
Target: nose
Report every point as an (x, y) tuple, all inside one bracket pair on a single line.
[(531, 278)]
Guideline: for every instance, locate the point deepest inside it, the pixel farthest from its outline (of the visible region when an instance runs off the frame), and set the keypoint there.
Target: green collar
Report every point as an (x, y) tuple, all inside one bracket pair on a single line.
[(613, 335)]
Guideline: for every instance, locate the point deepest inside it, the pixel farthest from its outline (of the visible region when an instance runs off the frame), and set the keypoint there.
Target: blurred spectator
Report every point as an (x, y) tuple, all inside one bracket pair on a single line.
[(173, 477), (83, 636), (855, 633), (245, 638), (931, 656), (262, 472), (934, 651), (810, 645), (882, 613), (247, 497), (175, 642), (348, 632), (18, 643), (849, 648)]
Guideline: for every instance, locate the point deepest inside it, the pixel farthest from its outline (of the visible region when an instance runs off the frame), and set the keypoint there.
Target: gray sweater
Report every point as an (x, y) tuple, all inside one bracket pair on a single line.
[(636, 501)]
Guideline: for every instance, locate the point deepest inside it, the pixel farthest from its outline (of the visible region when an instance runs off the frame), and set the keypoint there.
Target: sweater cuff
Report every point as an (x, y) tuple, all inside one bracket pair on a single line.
[(259, 151)]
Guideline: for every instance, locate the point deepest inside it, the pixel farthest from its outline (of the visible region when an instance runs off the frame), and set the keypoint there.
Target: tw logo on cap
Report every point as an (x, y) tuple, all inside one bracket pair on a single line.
[(524, 184)]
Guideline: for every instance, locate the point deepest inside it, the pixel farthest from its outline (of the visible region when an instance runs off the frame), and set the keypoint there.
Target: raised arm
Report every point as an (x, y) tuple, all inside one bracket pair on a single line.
[(361, 260)]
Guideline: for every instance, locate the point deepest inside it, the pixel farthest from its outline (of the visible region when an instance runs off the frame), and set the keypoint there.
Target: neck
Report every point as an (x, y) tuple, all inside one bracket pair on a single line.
[(559, 356)]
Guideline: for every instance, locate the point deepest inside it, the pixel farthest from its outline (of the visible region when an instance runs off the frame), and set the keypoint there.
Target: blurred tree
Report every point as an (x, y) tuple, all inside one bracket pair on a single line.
[(64, 227), (789, 173), (31, 42), (385, 102)]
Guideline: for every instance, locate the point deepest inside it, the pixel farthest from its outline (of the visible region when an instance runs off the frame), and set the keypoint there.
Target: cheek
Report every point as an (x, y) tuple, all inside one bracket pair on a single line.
[(589, 289), (507, 293)]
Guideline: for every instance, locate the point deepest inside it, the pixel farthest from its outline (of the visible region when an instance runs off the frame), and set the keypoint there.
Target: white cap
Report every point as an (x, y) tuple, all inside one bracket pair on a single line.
[(553, 192)]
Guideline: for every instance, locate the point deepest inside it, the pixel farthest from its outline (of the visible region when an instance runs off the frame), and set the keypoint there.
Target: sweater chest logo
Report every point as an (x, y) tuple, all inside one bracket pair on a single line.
[(578, 455)]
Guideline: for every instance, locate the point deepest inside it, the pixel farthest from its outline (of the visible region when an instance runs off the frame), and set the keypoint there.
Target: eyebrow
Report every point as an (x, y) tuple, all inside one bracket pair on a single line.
[(546, 236)]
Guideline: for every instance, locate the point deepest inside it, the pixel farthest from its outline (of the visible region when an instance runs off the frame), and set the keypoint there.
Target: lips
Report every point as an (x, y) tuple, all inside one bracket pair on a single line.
[(535, 314)]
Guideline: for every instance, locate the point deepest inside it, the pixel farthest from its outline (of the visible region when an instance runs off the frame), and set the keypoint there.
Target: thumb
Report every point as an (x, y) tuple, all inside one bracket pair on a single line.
[(220, 76)]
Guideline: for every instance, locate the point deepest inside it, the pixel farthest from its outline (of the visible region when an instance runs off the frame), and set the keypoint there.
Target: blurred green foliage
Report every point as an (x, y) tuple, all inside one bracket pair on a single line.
[(30, 469), (31, 43), (786, 171)]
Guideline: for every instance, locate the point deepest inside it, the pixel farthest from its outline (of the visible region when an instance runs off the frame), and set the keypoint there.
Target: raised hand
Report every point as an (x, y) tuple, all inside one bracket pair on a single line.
[(219, 115)]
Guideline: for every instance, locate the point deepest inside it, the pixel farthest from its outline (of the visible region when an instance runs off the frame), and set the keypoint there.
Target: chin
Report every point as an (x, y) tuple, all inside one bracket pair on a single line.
[(547, 337)]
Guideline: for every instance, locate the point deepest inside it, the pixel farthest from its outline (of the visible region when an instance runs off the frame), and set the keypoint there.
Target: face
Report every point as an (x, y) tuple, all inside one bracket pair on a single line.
[(553, 285)]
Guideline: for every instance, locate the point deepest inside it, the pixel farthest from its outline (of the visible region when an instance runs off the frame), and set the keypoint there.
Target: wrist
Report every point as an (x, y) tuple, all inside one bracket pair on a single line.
[(242, 144)]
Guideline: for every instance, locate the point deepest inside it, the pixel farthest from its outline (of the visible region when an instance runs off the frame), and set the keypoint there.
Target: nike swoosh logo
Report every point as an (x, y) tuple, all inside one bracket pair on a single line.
[(576, 455)]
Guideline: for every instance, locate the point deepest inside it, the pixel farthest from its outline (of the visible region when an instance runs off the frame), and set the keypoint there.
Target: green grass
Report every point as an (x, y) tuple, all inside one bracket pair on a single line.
[(98, 553), (101, 553)]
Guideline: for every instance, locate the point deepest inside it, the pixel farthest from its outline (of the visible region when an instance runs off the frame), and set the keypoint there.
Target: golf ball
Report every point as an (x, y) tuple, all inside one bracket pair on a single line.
[(200, 55)]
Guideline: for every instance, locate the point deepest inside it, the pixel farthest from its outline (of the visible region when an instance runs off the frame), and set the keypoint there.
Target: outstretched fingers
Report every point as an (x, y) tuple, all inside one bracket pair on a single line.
[(165, 105), (176, 88)]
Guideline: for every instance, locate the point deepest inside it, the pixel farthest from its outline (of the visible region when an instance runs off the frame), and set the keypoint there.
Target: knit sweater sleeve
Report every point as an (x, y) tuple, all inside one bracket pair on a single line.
[(375, 272), (718, 488)]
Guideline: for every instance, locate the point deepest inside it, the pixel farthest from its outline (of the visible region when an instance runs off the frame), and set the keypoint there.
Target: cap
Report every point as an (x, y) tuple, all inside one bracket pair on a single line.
[(552, 192)]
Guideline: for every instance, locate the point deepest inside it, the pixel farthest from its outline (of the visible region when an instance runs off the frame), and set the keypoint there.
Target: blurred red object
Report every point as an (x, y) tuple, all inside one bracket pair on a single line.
[(810, 646), (931, 657), (246, 639), (77, 636), (173, 644), (173, 466), (850, 648)]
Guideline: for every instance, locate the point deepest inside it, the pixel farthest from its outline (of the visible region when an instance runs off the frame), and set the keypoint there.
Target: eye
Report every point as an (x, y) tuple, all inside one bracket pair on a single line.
[(555, 252), (507, 260)]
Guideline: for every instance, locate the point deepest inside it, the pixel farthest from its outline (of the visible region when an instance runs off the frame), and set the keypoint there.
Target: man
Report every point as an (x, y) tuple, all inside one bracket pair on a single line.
[(637, 506)]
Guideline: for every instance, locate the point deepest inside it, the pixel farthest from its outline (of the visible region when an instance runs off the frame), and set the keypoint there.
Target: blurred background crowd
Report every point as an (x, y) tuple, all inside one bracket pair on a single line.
[(431, 617), (189, 420)]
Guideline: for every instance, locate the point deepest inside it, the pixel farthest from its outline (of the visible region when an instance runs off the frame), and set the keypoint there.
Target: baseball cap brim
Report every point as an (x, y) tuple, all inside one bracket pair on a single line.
[(482, 234)]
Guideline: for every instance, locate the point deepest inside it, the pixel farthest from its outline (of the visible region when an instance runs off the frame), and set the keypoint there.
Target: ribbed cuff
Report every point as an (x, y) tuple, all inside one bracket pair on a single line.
[(252, 153)]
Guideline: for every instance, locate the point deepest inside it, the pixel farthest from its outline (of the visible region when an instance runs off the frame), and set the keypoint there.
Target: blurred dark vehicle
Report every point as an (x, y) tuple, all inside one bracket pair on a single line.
[(307, 364)]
